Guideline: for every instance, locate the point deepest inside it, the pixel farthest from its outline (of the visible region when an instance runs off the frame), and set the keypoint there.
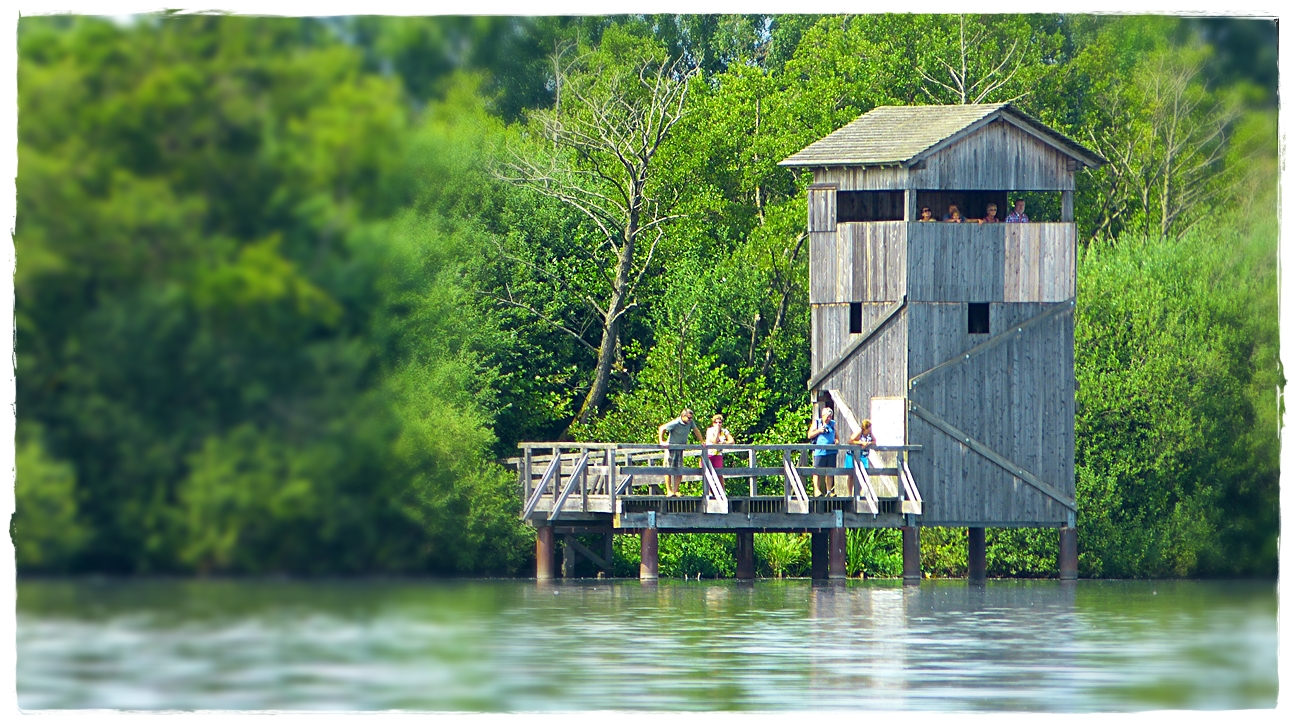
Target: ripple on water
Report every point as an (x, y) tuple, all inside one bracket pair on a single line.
[(512, 645)]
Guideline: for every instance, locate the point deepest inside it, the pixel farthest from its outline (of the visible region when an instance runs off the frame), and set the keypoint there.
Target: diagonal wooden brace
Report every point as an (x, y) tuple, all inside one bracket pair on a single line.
[(984, 451)]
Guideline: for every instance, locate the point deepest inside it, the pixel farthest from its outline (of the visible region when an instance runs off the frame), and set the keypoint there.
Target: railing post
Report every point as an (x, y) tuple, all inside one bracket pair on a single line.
[(526, 475), (750, 453), (584, 488), (612, 482), (557, 477)]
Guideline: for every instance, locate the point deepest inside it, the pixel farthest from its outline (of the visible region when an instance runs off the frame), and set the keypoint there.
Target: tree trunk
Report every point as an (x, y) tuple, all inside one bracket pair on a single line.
[(610, 324)]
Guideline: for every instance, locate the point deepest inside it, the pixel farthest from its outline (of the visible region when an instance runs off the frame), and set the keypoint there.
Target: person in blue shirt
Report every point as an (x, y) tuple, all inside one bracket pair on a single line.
[(822, 431)]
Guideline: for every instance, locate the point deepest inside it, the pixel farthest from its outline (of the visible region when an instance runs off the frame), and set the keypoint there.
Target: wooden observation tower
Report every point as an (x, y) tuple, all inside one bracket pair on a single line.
[(968, 326), (956, 339)]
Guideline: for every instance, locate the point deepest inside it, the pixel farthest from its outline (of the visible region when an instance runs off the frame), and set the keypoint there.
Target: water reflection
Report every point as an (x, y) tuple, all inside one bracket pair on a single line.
[(511, 645)]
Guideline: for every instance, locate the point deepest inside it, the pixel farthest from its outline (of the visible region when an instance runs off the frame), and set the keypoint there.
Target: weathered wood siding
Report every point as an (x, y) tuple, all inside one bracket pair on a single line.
[(878, 369), (863, 179), (823, 266), (858, 262), (822, 208), (1017, 398), (1039, 261), (954, 262), (999, 156)]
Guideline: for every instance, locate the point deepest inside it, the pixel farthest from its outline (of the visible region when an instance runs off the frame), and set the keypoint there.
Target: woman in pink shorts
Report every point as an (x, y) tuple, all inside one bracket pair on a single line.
[(716, 435)]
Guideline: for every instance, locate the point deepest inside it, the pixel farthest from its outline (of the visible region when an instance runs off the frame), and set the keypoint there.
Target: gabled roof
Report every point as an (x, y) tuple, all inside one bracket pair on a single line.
[(903, 135)]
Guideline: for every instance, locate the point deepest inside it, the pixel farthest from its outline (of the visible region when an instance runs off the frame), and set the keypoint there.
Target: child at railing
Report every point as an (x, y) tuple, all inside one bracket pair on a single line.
[(861, 436)]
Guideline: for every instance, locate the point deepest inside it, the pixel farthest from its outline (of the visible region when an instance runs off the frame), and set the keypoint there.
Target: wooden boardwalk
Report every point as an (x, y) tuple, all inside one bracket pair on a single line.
[(580, 484), (598, 488)]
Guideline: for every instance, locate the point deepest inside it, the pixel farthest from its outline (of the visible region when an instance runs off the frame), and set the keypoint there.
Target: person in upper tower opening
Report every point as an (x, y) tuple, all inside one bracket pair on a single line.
[(926, 215), (990, 214), (954, 215), (1017, 216)]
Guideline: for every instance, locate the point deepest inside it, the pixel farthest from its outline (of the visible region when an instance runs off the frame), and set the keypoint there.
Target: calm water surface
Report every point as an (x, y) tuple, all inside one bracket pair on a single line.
[(516, 645)]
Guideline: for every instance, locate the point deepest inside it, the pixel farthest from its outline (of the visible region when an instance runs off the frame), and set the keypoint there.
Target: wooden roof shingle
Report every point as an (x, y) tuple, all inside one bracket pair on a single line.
[(894, 135)]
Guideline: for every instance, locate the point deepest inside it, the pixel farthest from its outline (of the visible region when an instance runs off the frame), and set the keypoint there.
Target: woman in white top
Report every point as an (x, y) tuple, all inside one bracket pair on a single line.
[(716, 435)]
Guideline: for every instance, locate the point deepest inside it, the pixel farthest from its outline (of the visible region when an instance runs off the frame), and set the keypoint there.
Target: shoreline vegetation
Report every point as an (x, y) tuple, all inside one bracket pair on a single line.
[(288, 288)]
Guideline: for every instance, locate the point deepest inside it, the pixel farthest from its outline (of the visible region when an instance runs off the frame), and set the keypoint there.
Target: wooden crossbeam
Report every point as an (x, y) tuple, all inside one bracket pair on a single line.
[(1001, 338), (597, 560), (830, 367), (984, 451)]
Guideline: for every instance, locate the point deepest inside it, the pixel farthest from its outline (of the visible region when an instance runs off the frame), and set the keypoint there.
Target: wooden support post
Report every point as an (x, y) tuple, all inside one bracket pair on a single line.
[(745, 556), (1067, 207), (610, 553), (818, 549), (649, 568), (568, 557), (910, 205), (911, 554), (544, 553), (1067, 559), (836, 543), (976, 555)]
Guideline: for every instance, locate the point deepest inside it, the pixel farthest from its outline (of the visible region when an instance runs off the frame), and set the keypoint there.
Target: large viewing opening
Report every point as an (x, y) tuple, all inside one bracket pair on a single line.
[(1040, 206), (855, 206)]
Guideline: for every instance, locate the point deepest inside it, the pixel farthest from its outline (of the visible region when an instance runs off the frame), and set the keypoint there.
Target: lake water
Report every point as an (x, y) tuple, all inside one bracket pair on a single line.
[(519, 646)]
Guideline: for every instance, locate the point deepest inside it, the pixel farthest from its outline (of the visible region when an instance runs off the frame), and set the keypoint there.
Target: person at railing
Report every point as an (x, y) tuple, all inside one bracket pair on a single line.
[(926, 215), (954, 214), (676, 432), (717, 434), (823, 432), (1017, 216), (990, 214), (863, 437)]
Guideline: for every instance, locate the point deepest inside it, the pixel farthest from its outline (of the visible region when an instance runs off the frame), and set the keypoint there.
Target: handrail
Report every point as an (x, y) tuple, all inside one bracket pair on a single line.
[(693, 450), (864, 492), (797, 499), (539, 488), (716, 497), (910, 484), (581, 470)]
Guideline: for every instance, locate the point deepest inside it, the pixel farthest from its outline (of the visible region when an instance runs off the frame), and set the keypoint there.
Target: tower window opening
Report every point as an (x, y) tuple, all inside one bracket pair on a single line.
[(977, 318), (856, 318)]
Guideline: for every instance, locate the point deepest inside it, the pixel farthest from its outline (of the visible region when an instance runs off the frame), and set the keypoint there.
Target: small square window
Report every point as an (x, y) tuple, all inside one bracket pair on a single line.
[(977, 318), (856, 318)]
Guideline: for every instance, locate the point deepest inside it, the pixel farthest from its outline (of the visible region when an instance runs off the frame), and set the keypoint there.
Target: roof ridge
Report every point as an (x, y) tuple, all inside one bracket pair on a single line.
[(895, 135)]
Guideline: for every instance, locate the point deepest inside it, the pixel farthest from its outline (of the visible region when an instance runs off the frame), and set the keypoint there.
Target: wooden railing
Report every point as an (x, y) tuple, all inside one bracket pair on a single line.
[(591, 477)]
